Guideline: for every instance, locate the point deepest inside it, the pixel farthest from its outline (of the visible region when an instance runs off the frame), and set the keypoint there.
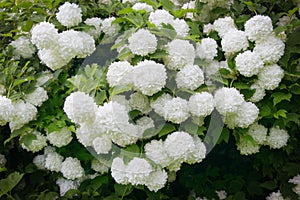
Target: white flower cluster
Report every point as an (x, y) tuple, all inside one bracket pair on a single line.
[(275, 196), (236, 111), (69, 14), (138, 172), (60, 138), (6, 110), (23, 48), (65, 185), (275, 138), (37, 97), (178, 147), (261, 61), (142, 6), (296, 180), (160, 17), (38, 142), (147, 76), (96, 22), (142, 42)]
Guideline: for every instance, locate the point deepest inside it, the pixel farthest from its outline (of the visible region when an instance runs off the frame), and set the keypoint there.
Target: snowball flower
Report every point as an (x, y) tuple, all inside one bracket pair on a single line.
[(138, 171), (23, 48), (149, 77), (246, 114), (270, 50), (102, 144), (247, 147), (109, 28), (37, 97), (181, 27), (22, 114), (71, 168), (234, 41), (96, 22), (36, 143), (224, 25), (159, 17), (270, 77), (6, 110), (248, 63), (86, 133), (60, 138), (156, 180), (296, 180), (277, 138), (275, 196), (207, 49), (119, 170), (44, 35), (201, 104), (118, 73), (142, 6), (259, 93), (142, 42), (39, 161), (228, 100), (181, 53), (258, 28), (212, 68), (156, 151), (176, 110), (66, 185), (53, 162), (159, 104), (198, 153), (69, 14), (80, 107), (258, 132), (189, 77), (52, 58), (139, 102)]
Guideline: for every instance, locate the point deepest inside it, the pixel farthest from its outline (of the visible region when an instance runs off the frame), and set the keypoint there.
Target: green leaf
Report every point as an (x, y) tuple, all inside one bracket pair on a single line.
[(166, 129), (293, 117), (125, 11), (224, 136), (99, 181), (265, 111), (10, 182), (17, 133), (168, 5), (270, 185), (90, 70), (119, 89), (100, 97), (123, 190), (27, 139), (22, 80), (280, 96), (280, 113), (241, 86)]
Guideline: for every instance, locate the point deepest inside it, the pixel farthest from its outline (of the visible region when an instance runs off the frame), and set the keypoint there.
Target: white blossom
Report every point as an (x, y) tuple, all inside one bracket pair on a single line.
[(248, 63), (37, 97), (22, 114), (39, 161), (159, 17), (234, 41), (189, 77), (71, 168), (69, 14), (258, 28), (109, 28), (275, 196), (96, 22), (296, 180), (142, 6), (247, 147), (37, 142), (52, 58), (207, 49), (23, 48), (149, 77), (100, 165), (118, 73), (138, 171), (156, 180), (224, 25), (176, 110), (156, 151), (6, 110), (44, 35), (228, 100), (53, 162), (159, 104), (142, 42), (201, 104), (270, 77), (180, 54), (80, 107), (258, 132), (119, 171), (66, 185), (60, 138), (102, 144), (277, 138), (259, 93), (181, 27)]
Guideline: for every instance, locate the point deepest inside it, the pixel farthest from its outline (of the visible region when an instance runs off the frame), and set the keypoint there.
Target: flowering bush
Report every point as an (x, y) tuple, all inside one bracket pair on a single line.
[(155, 99)]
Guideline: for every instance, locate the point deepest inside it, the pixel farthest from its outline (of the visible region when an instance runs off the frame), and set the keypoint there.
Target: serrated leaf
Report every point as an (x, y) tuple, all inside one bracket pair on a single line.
[(280, 113), (10, 182), (280, 96)]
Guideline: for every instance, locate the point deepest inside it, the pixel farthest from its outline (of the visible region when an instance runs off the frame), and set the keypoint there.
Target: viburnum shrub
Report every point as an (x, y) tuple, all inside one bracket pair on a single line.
[(149, 99)]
